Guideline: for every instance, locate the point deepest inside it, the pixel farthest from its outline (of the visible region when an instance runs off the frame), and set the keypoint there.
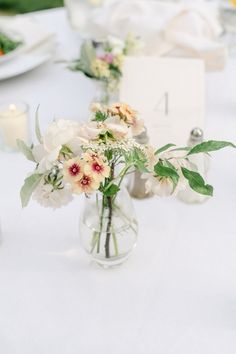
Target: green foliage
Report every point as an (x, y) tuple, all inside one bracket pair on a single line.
[(100, 116), (208, 146), (196, 182), (29, 186), (115, 71), (37, 127), (167, 171), (87, 56), (21, 6), (106, 136), (26, 150), (54, 178), (66, 152), (111, 190), (139, 160), (164, 148), (8, 44)]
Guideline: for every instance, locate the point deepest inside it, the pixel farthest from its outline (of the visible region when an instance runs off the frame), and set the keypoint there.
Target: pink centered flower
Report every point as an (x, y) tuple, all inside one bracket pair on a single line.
[(72, 170), (87, 184), (96, 166)]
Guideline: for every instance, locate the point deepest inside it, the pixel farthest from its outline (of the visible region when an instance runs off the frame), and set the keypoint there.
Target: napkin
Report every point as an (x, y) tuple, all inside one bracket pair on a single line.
[(33, 34), (167, 28)]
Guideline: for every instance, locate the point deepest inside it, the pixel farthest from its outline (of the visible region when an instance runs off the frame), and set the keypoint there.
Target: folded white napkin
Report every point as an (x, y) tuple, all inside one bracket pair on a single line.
[(32, 33), (167, 29)]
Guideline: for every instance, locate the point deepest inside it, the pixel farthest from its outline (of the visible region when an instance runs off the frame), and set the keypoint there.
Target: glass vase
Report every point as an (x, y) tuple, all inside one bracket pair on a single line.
[(108, 228), (104, 94)]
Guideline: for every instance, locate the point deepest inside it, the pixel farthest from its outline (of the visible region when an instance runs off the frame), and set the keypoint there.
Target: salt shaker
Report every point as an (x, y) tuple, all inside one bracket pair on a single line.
[(201, 162), (136, 186)]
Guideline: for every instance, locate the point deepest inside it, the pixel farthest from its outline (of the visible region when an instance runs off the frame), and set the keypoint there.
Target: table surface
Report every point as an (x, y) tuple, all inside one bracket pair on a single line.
[(175, 295)]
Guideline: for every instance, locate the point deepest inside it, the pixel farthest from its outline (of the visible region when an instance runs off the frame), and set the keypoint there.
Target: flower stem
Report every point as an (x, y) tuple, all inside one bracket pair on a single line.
[(108, 231), (110, 212)]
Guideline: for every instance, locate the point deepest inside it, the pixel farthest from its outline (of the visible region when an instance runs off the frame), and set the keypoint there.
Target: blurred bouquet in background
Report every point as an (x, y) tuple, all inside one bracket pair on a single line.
[(102, 62)]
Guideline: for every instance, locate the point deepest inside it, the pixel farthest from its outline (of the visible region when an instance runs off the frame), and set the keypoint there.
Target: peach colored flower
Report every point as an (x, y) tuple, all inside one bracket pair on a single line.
[(97, 167), (124, 111), (87, 184), (73, 169)]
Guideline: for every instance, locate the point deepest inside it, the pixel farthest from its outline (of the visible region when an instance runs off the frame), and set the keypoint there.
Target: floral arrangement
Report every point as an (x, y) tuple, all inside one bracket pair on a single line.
[(102, 61), (74, 158)]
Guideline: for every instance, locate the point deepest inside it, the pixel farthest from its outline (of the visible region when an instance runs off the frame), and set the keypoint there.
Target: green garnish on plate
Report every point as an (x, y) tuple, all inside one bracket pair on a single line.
[(7, 44)]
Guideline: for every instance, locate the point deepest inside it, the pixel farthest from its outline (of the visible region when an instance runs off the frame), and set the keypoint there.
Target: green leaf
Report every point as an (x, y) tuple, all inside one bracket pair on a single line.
[(87, 56), (168, 172), (140, 165), (37, 128), (196, 182), (164, 148), (29, 186), (111, 190), (186, 148), (208, 146), (26, 150), (66, 151), (100, 116)]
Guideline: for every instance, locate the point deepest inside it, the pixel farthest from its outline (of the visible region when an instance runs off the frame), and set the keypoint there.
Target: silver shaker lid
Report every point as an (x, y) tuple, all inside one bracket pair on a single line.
[(196, 135)]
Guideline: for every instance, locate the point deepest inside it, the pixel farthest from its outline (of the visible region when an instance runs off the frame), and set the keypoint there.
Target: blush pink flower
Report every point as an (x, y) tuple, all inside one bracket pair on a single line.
[(108, 58)]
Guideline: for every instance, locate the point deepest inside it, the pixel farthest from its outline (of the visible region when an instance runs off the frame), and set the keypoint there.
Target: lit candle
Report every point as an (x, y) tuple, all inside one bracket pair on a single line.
[(13, 124)]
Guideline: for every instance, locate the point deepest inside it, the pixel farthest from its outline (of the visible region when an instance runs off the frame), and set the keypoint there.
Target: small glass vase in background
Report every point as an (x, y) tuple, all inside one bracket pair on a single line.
[(108, 228), (103, 93)]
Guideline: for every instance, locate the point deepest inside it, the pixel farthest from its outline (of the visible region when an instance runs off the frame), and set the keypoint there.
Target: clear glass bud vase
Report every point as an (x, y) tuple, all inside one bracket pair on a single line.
[(108, 228), (104, 94)]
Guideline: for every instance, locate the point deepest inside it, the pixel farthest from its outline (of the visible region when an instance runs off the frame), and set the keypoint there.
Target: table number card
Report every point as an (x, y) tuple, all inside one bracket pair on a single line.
[(169, 95)]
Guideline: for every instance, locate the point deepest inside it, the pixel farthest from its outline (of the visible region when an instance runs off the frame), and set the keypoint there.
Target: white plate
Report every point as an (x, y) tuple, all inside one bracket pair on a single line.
[(11, 55), (22, 64), (26, 61)]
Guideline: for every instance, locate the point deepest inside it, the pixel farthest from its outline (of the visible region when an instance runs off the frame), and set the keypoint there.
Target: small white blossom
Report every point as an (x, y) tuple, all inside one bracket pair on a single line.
[(46, 160), (116, 44), (162, 186), (49, 198)]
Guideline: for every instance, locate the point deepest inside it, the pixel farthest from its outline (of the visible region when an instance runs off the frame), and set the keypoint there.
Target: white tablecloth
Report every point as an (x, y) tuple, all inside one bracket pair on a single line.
[(176, 294)]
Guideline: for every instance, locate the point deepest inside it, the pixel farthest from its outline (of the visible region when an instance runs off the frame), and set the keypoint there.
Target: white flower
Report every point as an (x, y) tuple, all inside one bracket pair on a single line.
[(49, 198), (46, 160), (89, 131), (116, 44), (60, 132), (118, 129), (162, 186)]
